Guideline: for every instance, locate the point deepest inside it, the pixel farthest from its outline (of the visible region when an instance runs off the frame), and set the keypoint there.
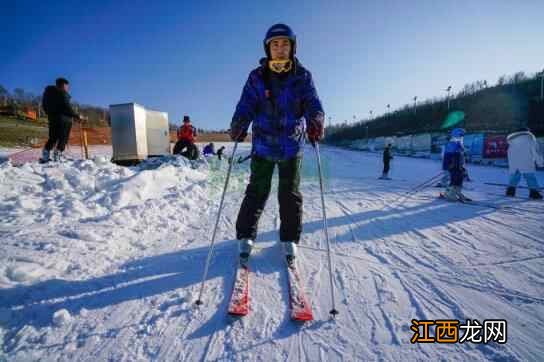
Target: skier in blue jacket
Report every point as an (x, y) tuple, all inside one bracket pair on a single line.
[(454, 162), (277, 98)]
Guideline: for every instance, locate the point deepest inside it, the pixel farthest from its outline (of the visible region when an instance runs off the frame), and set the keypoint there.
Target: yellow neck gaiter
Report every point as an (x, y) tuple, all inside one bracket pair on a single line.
[(280, 66)]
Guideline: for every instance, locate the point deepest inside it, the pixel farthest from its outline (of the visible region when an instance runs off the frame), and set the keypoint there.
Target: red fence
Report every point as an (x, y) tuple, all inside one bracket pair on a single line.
[(495, 147)]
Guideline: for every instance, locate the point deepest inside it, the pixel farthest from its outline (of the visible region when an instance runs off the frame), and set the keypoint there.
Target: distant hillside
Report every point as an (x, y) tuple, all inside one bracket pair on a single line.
[(512, 103), (20, 101)]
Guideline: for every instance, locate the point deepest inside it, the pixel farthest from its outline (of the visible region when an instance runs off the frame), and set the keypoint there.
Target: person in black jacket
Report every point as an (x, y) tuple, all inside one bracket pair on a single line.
[(387, 157), (56, 104), (220, 152)]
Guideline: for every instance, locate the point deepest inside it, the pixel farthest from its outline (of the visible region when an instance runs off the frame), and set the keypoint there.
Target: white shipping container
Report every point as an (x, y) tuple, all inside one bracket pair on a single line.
[(128, 132), (158, 137), (404, 144), (379, 143), (421, 143), (137, 132)]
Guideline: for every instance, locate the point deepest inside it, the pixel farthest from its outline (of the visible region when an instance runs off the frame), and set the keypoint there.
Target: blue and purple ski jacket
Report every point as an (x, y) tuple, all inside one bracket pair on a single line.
[(278, 105)]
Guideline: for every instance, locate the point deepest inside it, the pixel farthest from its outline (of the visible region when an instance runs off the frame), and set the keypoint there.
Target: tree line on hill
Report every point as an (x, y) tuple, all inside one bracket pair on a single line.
[(513, 102)]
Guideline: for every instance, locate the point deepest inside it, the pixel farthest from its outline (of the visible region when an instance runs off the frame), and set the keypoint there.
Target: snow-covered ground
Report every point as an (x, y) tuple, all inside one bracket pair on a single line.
[(101, 262)]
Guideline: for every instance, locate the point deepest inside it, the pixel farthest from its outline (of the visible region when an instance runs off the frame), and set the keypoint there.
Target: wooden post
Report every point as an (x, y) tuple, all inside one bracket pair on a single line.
[(81, 139), (85, 145)]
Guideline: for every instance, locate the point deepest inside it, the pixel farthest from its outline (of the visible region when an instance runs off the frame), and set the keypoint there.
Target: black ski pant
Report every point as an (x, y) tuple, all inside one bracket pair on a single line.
[(456, 170), (186, 149), (456, 177), (59, 133), (386, 167), (289, 197)]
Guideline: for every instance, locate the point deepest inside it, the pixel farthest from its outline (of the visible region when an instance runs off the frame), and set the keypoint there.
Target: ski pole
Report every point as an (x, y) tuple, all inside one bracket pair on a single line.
[(427, 183), (333, 311), (418, 188), (210, 252)]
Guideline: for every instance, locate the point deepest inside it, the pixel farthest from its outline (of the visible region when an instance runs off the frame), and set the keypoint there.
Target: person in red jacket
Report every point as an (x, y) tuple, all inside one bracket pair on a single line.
[(185, 145)]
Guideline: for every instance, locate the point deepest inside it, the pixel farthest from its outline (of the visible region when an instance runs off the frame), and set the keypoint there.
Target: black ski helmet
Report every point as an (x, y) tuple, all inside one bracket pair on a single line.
[(280, 30)]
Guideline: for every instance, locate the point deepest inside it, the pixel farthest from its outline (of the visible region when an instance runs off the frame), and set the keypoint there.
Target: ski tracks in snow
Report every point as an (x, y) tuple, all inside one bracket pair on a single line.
[(420, 259), (414, 264)]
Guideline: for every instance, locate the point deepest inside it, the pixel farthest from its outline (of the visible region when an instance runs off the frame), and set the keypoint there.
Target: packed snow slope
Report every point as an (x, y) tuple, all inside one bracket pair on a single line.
[(100, 262)]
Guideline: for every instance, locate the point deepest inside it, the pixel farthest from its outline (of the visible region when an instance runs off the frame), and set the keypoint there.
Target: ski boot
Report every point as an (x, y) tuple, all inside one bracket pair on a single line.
[(534, 194), (58, 156), (450, 194), (45, 156), (460, 196), (290, 249), (245, 246), (511, 191)]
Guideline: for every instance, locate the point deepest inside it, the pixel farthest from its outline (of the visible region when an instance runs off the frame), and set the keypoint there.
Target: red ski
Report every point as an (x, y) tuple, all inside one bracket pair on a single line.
[(239, 300), (301, 310)]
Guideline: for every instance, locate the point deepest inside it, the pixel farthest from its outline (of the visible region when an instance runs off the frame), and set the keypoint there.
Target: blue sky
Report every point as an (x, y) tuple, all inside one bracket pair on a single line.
[(193, 57)]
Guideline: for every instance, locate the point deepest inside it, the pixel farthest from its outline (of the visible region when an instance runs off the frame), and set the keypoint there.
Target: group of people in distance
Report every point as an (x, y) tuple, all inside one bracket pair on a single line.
[(523, 158), (186, 146)]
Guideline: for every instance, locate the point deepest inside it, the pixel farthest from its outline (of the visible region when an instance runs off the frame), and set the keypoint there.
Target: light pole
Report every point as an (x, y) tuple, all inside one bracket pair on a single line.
[(448, 90), (542, 85), (388, 106), (370, 114), (415, 104)]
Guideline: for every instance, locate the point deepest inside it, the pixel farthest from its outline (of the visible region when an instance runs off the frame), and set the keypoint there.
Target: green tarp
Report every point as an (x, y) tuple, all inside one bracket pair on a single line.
[(453, 119)]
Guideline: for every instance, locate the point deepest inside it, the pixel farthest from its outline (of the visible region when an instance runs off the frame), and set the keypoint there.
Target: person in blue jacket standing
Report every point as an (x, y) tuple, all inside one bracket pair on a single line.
[(280, 100)]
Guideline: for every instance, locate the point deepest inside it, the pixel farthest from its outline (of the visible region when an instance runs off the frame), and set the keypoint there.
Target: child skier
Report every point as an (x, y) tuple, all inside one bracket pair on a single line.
[(277, 96), (454, 162)]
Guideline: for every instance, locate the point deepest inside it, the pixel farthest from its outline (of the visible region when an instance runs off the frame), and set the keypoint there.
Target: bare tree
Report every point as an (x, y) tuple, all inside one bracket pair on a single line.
[(19, 95), (519, 77), (4, 95)]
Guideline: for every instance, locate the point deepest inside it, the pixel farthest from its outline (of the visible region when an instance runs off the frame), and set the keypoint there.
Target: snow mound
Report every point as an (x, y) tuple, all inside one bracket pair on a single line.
[(77, 208), (61, 318), (86, 188), (25, 272)]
